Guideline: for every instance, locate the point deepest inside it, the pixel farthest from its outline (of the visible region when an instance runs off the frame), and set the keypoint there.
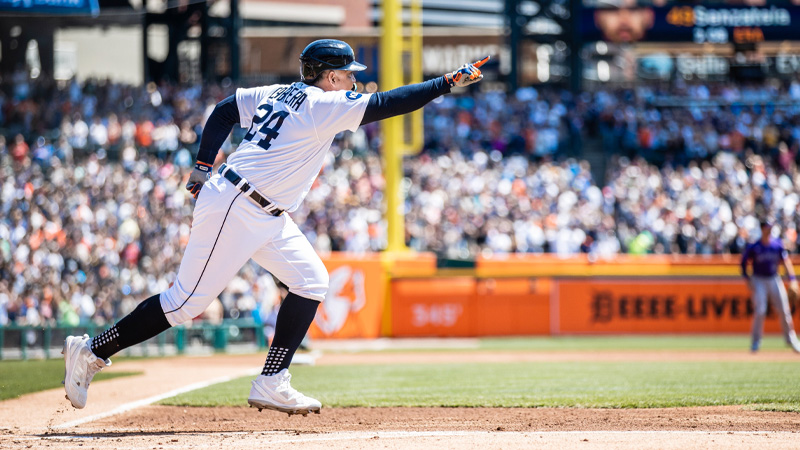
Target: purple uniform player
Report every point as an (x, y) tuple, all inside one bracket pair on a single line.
[(765, 283)]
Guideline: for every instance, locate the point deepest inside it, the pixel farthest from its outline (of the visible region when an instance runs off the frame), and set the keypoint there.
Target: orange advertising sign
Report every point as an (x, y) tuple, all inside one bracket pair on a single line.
[(354, 304), (636, 305), (433, 307), (466, 306)]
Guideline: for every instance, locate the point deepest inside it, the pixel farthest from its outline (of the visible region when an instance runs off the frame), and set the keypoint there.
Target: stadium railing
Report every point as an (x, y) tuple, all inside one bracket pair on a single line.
[(44, 342)]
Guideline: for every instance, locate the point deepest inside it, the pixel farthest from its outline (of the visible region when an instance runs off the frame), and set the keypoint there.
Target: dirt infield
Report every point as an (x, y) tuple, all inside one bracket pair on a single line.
[(118, 415)]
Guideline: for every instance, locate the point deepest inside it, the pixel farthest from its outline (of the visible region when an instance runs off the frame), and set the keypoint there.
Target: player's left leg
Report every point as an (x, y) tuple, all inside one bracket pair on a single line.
[(292, 259), (780, 301)]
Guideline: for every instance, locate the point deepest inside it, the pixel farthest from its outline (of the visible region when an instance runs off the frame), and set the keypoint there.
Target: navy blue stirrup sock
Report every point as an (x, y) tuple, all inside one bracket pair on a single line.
[(144, 322), (294, 318)]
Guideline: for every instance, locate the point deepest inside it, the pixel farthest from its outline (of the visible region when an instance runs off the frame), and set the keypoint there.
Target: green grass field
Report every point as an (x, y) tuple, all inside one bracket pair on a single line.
[(760, 384), (763, 385), (575, 384), (22, 377)]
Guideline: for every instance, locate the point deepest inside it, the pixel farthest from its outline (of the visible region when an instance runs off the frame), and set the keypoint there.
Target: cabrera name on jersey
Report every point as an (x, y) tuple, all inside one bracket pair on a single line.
[(289, 130), (290, 95)]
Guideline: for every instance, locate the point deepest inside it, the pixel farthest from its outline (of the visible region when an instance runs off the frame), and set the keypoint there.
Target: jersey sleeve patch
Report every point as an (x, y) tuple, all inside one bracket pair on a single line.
[(352, 95)]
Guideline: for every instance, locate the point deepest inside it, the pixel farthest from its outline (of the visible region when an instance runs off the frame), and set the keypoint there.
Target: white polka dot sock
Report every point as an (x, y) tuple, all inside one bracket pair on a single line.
[(275, 361), (105, 339)]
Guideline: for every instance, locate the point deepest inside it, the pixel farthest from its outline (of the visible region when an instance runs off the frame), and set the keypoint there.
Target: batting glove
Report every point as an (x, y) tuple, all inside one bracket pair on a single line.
[(200, 174), (466, 74)]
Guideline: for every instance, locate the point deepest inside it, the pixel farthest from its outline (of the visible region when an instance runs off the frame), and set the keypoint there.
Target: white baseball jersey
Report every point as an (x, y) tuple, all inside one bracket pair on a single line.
[(290, 127)]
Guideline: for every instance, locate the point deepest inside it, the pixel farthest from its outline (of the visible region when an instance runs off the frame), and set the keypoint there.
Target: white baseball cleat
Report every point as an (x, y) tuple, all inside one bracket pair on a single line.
[(81, 366), (274, 392)]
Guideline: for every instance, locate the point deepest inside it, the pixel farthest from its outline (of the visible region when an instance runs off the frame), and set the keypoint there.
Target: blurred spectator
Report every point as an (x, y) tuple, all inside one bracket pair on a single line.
[(19, 150), (5, 303)]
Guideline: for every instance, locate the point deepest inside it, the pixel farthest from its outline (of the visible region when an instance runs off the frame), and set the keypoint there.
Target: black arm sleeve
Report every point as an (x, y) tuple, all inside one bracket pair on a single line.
[(403, 100), (217, 129)]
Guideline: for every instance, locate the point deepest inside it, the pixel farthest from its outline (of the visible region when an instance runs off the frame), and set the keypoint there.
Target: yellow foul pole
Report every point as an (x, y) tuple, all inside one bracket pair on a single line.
[(391, 76), (413, 48)]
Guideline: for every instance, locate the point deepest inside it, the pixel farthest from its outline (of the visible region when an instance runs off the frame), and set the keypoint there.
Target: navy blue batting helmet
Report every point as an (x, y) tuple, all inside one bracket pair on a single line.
[(327, 54)]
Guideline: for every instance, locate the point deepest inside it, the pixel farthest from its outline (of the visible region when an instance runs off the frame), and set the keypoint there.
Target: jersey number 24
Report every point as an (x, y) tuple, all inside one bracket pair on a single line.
[(271, 124)]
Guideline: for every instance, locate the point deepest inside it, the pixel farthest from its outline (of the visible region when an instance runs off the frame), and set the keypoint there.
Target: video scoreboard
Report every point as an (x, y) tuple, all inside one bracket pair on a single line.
[(701, 24)]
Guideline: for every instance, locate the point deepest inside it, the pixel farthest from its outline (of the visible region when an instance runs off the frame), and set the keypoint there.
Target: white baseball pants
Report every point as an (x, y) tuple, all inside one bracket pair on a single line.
[(228, 229), (771, 288)]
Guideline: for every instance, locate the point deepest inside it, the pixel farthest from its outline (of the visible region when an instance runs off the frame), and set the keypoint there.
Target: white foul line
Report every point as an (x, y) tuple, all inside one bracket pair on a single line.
[(146, 401)]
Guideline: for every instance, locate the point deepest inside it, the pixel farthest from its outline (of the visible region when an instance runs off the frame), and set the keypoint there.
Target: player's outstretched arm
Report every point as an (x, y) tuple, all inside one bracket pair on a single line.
[(217, 128), (406, 99)]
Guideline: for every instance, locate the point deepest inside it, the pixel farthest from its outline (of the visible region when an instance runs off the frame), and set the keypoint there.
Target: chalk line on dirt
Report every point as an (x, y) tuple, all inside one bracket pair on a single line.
[(149, 400)]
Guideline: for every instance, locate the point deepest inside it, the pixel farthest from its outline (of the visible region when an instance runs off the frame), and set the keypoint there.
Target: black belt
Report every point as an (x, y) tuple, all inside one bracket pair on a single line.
[(229, 174)]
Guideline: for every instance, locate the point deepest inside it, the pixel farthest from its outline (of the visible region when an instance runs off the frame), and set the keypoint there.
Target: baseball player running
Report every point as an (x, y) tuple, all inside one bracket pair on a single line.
[(241, 212), (766, 254)]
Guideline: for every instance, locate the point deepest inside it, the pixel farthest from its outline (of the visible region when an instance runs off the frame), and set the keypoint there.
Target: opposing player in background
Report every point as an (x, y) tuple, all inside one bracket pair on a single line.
[(766, 283), (240, 212)]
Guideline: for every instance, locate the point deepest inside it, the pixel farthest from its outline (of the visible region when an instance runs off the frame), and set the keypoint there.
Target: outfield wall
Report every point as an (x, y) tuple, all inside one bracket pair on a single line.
[(407, 296)]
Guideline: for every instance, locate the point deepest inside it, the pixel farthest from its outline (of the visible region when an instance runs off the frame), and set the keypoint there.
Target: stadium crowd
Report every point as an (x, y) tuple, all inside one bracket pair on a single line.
[(94, 216)]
